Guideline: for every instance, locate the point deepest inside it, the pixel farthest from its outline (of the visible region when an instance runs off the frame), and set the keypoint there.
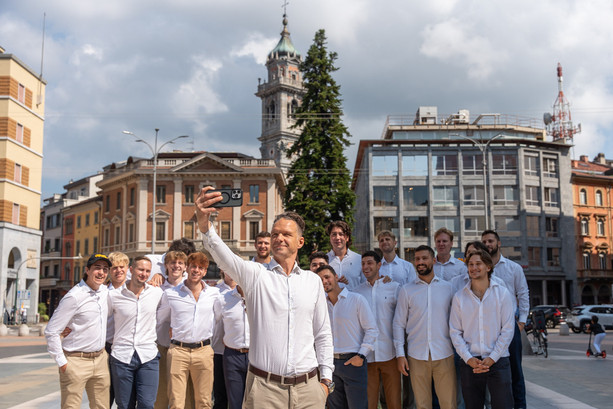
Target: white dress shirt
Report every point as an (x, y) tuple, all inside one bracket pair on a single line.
[(217, 339), (354, 328), (135, 322), (458, 282), (382, 298), (191, 320), (234, 326), (163, 327), (515, 280), (423, 313), (288, 317), (84, 311), (450, 269), (350, 267), (110, 323), (484, 327), (399, 270)]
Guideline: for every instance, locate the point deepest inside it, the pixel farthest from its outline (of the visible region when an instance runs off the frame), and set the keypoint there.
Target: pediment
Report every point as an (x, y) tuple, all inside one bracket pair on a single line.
[(105, 221), (206, 162), (160, 215), (116, 219), (253, 214), (130, 216)]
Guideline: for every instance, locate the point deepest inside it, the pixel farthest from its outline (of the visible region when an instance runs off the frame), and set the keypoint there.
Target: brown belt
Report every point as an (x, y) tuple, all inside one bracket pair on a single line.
[(283, 380), (88, 355), (241, 350)]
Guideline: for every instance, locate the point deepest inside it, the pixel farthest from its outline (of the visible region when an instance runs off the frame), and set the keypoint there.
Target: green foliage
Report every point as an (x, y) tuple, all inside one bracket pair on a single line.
[(42, 311), (319, 183)]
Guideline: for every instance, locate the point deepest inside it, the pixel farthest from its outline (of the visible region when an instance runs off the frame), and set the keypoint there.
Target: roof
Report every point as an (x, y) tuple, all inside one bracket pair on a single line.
[(284, 47)]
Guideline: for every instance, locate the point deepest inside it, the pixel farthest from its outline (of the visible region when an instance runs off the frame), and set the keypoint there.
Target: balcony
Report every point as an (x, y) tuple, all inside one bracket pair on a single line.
[(594, 274)]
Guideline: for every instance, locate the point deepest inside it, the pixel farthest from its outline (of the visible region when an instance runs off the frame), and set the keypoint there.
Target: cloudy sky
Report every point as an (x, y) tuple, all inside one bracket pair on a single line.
[(192, 67)]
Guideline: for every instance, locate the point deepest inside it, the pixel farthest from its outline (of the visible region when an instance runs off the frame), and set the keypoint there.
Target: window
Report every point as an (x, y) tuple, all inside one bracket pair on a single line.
[(512, 253), (553, 257), (107, 233), (415, 197), (534, 256), (189, 193), (226, 231), (550, 167), (254, 193), (385, 165), (47, 246), (17, 175), (504, 164), (531, 165), (160, 194), (86, 246), (160, 231), (415, 165), (16, 213), (473, 196), (21, 93), (507, 225), (474, 225), (132, 196), (532, 196), (19, 133), (117, 235), (472, 164), (87, 219), (76, 274), (552, 197), (78, 222), (385, 196), (451, 223), (585, 227), (254, 229), (57, 247), (583, 197), (118, 200), (602, 261), (95, 217), (444, 165), (586, 261), (445, 196), (386, 223), (505, 195), (78, 247), (95, 248), (598, 198), (415, 227), (107, 203), (131, 233), (551, 226), (68, 225), (532, 226), (188, 230), (600, 227), (46, 271)]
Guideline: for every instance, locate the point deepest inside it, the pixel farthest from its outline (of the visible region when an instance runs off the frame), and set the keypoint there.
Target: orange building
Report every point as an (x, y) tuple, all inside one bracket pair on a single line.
[(593, 200)]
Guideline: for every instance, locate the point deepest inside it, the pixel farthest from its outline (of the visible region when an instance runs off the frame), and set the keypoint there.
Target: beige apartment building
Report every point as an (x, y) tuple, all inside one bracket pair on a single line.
[(22, 110)]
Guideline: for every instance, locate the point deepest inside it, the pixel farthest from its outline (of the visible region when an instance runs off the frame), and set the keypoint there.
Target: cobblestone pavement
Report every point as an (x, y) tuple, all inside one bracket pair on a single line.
[(567, 379)]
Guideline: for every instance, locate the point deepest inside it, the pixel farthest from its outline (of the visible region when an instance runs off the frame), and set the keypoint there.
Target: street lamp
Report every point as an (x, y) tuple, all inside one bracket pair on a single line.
[(154, 151), (483, 148)]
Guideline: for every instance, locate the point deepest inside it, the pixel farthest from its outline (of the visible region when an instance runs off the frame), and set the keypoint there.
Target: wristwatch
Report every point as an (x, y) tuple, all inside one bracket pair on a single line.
[(362, 356), (329, 384)]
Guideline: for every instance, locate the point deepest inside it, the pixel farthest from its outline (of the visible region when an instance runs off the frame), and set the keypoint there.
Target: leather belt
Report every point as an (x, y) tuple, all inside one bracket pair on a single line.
[(88, 355), (348, 355), (191, 345), (283, 380), (241, 350)]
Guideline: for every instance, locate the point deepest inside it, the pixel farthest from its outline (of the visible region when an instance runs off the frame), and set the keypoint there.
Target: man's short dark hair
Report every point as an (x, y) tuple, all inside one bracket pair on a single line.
[(326, 267), (293, 216), (485, 258), (486, 232), (423, 247), (262, 234), (344, 226), (185, 245), (373, 254), (318, 254), (478, 245)]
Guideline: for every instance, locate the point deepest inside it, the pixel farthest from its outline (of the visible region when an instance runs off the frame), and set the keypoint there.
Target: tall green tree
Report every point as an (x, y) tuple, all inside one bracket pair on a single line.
[(318, 181)]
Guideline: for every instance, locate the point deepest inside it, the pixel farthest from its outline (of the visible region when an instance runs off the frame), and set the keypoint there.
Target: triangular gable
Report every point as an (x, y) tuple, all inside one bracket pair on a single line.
[(206, 162), (160, 215), (116, 219), (253, 214)]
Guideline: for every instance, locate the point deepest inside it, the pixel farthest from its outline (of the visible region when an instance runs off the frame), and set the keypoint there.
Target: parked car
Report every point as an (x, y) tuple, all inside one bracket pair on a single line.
[(554, 314), (580, 316)]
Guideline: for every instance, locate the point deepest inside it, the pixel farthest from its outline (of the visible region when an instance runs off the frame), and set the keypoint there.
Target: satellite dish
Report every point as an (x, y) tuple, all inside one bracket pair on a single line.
[(547, 118)]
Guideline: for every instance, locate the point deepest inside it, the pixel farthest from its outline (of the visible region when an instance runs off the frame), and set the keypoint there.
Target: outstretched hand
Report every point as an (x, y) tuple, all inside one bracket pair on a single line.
[(203, 207)]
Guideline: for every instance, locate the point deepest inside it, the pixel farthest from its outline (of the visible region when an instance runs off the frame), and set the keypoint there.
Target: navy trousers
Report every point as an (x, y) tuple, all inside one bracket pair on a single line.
[(219, 387), (235, 366), (497, 380), (135, 382), (350, 391), (517, 373)]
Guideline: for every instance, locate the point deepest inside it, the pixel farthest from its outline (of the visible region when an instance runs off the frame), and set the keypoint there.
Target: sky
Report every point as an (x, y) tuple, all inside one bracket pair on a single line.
[(191, 67)]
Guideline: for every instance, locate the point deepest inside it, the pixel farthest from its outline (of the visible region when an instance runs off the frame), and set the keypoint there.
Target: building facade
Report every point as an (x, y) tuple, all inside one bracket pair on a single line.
[(428, 172), (593, 204), (22, 110)]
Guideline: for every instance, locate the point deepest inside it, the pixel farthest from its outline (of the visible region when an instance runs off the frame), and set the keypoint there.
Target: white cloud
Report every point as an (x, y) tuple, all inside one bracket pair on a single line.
[(257, 46)]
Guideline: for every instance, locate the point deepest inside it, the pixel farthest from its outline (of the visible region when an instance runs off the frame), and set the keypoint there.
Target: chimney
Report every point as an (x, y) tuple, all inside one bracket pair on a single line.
[(600, 159), (583, 158)]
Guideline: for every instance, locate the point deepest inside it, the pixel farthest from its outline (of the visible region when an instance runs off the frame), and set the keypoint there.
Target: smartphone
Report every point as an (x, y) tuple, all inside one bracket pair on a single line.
[(230, 198)]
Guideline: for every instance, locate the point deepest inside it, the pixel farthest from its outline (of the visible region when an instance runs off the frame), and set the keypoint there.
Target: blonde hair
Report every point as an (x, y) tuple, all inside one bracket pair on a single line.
[(118, 257)]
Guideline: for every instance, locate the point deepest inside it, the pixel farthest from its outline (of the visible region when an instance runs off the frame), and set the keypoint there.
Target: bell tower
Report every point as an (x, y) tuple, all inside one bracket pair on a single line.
[(281, 94)]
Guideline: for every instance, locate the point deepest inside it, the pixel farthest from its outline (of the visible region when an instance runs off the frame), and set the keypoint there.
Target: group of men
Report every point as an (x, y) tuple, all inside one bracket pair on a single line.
[(274, 335)]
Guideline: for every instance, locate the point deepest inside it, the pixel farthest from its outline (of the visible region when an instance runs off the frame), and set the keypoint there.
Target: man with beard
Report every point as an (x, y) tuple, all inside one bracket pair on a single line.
[(382, 367), (392, 266), (346, 263), (445, 266), (514, 279), (262, 248), (354, 333), (422, 312)]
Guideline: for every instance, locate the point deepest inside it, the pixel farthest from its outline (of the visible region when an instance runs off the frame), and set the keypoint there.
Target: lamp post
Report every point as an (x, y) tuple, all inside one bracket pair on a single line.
[(483, 148), (154, 151)]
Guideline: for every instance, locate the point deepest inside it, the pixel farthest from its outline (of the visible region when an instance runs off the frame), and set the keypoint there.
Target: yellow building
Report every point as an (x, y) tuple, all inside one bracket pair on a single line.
[(22, 109)]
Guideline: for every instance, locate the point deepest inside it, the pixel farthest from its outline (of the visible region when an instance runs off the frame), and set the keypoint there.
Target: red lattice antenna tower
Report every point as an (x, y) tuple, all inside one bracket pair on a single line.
[(560, 124)]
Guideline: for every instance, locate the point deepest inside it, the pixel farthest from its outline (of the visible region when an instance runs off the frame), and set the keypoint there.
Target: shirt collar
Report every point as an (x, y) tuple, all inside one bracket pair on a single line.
[(394, 261), (420, 281), (273, 265)]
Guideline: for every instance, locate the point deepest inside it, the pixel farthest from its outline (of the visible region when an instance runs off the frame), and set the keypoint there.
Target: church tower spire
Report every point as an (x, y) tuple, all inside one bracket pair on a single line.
[(281, 94)]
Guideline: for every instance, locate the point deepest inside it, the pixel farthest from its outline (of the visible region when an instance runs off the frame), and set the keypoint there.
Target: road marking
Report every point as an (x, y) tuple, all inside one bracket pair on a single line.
[(40, 402), (40, 358), (554, 398)]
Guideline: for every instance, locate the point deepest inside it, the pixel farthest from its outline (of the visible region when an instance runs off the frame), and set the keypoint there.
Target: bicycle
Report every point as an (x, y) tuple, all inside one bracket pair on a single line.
[(537, 333)]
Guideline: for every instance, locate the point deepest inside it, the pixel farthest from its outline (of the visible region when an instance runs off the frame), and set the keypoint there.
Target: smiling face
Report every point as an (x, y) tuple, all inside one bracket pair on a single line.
[(141, 270), (118, 274), (423, 262), (316, 263), (195, 273), (285, 239), (328, 279), (370, 268), (443, 244), (387, 244), (175, 269), (96, 274), (338, 239), (262, 247), (477, 269)]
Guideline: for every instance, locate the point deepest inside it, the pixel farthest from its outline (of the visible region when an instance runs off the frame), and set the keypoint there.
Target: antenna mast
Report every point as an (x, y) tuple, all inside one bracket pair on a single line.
[(559, 124)]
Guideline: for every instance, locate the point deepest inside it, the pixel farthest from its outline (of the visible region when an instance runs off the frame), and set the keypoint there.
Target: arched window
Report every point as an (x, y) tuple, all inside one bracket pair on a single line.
[(602, 261), (11, 263), (583, 197), (585, 229), (598, 198), (586, 261), (600, 227)]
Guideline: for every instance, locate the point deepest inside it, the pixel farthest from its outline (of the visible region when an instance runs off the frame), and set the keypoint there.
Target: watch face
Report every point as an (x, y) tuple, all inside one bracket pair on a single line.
[(331, 387)]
